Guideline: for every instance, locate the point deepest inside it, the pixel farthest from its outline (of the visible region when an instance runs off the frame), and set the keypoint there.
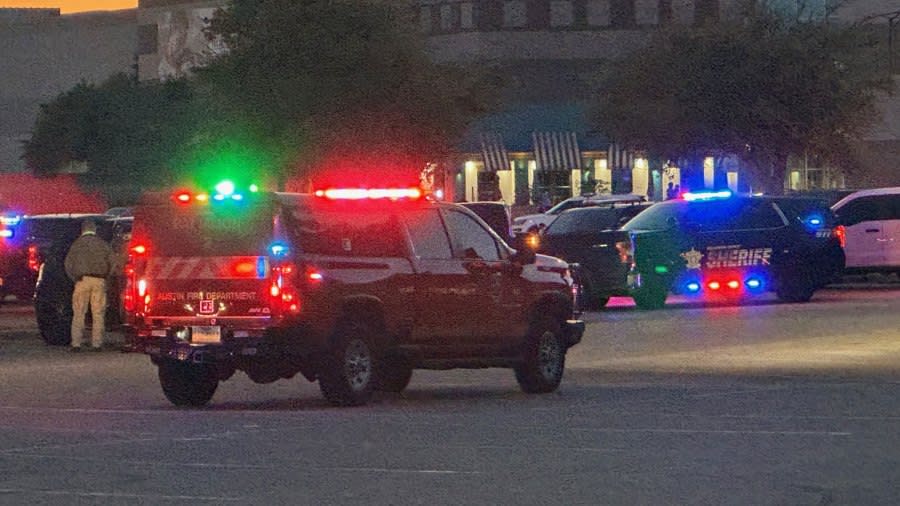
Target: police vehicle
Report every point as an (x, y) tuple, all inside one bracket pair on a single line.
[(353, 288), (721, 245)]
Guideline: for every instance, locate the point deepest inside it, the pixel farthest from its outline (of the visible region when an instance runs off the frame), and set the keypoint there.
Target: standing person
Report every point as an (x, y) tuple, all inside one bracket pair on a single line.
[(87, 264)]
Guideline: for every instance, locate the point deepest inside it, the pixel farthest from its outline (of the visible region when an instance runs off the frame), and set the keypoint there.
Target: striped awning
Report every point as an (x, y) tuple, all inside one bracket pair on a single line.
[(619, 158), (556, 150), (493, 152)]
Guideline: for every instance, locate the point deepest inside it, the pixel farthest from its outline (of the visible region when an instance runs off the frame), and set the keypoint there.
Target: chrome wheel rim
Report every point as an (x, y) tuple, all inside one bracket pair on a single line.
[(357, 365), (549, 355)]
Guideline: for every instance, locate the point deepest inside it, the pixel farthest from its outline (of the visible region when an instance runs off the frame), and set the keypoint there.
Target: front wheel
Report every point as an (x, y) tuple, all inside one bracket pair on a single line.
[(650, 296), (347, 377), (186, 384), (543, 359)]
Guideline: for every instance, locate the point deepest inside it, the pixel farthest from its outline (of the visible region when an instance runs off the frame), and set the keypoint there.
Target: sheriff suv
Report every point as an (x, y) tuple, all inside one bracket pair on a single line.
[(719, 245), (350, 288)]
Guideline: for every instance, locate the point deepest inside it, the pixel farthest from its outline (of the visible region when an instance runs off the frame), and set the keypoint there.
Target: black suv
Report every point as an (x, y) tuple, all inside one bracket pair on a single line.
[(722, 245), (588, 236), (354, 289), (48, 238)]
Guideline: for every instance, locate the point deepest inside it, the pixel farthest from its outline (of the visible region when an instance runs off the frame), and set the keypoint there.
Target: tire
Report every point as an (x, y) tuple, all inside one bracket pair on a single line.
[(543, 359), (348, 376), (186, 384), (394, 374), (802, 293), (650, 296), (54, 322)]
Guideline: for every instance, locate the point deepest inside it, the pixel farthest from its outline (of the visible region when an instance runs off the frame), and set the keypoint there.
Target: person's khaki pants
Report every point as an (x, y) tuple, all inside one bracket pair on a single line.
[(89, 291)]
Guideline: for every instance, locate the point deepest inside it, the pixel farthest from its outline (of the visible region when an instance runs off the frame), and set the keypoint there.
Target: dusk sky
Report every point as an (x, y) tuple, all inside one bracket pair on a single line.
[(69, 6)]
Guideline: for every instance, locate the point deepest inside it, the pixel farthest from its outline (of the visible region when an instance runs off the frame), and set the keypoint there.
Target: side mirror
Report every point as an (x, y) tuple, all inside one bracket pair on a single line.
[(524, 256)]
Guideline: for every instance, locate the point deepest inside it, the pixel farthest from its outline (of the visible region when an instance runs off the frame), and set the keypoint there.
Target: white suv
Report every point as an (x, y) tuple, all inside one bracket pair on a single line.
[(872, 222), (538, 222)]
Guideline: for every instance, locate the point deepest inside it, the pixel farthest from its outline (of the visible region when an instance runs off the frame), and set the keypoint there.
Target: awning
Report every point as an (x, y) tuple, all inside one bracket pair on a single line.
[(556, 150)]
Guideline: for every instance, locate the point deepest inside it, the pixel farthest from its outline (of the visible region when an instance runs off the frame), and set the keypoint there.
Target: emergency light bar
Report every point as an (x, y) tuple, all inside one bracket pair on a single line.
[(369, 193), (6, 233), (710, 195)]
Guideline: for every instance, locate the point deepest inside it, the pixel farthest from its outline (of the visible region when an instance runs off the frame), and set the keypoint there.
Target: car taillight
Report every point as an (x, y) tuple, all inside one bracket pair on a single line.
[(283, 289), (840, 233), (34, 260), (128, 295), (626, 253)]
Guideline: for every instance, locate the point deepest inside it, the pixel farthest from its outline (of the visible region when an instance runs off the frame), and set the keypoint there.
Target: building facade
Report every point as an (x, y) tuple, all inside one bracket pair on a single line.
[(45, 54)]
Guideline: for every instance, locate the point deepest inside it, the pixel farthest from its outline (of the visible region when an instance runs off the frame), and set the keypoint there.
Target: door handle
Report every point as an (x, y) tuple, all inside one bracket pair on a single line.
[(872, 230)]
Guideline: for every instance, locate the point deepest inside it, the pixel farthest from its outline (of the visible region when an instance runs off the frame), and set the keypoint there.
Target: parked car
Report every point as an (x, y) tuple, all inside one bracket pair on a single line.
[(871, 219), (531, 223), (588, 236), (496, 215), (48, 241)]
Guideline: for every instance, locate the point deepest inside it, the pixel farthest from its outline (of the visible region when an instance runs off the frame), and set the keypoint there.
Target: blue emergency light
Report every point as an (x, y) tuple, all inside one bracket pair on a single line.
[(706, 195)]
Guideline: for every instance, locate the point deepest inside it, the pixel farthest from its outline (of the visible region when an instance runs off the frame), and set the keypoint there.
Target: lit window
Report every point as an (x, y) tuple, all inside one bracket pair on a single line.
[(466, 16), (515, 14), (561, 13), (598, 12)]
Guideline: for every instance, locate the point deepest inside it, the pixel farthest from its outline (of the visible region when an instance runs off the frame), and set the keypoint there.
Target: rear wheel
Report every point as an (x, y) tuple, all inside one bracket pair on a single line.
[(187, 384), (799, 288), (347, 377), (394, 374), (543, 359), (54, 321)]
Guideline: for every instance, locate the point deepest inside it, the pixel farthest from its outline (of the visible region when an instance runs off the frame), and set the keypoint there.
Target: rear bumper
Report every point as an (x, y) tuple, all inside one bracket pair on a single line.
[(573, 331)]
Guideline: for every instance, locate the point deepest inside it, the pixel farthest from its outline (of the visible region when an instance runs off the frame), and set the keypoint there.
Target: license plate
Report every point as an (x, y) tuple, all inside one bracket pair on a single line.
[(206, 335)]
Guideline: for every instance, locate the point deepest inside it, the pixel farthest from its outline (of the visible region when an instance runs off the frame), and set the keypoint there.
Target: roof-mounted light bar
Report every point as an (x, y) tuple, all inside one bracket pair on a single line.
[(369, 193), (706, 195)]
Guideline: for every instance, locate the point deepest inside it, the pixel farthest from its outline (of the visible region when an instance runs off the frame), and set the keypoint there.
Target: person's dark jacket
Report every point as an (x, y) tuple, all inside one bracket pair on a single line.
[(88, 256)]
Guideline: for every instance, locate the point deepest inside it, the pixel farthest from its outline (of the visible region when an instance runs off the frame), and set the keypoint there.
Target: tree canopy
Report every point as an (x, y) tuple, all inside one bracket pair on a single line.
[(762, 87)]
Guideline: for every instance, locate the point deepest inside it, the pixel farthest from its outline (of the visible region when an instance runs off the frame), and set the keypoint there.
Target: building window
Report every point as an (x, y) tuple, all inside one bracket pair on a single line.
[(646, 12), (147, 39), (515, 14), (561, 13), (446, 17), (466, 16), (621, 13), (598, 12), (683, 12), (425, 19)]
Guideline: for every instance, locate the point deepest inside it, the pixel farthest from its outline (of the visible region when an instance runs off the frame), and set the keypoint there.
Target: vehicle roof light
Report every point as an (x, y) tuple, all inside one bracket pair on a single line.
[(237, 196), (201, 197), (10, 221), (183, 197), (710, 195), (225, 188), (254, 188), (369, 193), (219, 197), (6, 233)]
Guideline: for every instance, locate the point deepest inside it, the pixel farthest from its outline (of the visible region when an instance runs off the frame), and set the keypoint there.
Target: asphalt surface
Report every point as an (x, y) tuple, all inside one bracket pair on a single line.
[(766, 403)]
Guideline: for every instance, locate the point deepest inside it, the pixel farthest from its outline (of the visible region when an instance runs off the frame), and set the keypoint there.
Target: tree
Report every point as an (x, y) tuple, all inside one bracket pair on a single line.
[(336, 83), (125, 132), (762, 87)]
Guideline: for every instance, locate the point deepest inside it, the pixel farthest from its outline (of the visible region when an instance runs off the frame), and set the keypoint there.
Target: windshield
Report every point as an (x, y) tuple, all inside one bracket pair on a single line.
[(657, 217), (565, 204), (580, 221)]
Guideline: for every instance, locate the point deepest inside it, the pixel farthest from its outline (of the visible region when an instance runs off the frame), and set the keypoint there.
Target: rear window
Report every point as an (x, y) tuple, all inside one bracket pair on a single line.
[(586, 220), (170, 231), (346, 232)]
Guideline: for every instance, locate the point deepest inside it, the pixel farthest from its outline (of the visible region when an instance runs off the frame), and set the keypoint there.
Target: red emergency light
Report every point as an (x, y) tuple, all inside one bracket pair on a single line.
[(370, 193)]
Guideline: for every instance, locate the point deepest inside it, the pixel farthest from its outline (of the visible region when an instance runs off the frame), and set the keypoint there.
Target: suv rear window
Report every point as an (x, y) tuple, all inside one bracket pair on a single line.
[(174, 231)]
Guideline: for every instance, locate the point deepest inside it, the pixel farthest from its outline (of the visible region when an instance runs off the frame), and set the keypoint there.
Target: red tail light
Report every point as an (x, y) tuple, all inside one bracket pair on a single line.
[(626, 253), (34, 261), (840, 233), (128, 296), (283, 290)]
